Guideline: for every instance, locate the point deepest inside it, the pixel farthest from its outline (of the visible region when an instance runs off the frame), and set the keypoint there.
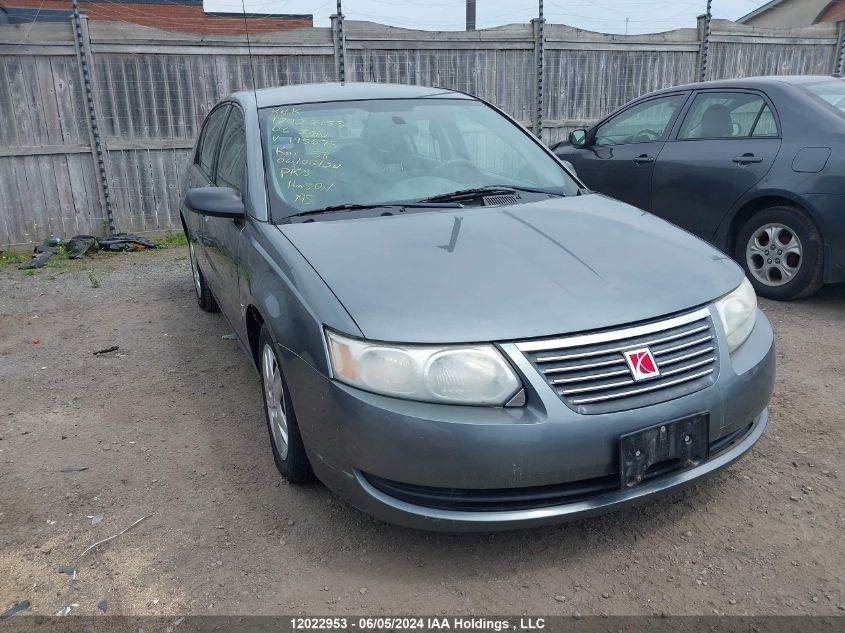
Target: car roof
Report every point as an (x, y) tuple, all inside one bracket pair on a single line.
[(749, 82), (354, 91)]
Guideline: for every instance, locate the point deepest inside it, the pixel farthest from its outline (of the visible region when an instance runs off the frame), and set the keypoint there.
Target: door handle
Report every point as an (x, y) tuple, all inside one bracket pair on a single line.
[(643, 158), (746, 159)]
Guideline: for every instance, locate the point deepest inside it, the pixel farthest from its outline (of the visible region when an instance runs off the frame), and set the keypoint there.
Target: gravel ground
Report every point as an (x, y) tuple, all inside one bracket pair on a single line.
[(170, 427)]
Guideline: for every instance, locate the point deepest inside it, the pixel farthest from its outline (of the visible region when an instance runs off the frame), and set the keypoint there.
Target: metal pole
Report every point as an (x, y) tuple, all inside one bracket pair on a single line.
[(82, 44), (341, 45), (840, 56), (539, 40), (470, 15), (705, 43)]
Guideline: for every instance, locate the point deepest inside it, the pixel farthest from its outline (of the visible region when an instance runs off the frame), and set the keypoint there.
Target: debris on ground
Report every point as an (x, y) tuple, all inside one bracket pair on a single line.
[(70, 571), (40, 256), (95, 519), (230, 337), (65, 610), (102, 605), (36, 341), (81, 244), (74, 469), (114, 536), (107, 350), (23, 605)]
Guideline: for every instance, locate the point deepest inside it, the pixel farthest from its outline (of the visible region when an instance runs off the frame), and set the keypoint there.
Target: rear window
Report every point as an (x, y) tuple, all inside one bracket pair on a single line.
[(832, 92)]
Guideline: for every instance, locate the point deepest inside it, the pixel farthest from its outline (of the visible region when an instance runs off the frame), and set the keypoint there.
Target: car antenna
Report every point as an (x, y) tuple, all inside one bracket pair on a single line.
[(254, 89)]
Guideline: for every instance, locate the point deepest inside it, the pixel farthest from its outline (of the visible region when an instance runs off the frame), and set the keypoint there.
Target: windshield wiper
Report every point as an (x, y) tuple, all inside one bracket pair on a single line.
[(424, 204), (491, 190)]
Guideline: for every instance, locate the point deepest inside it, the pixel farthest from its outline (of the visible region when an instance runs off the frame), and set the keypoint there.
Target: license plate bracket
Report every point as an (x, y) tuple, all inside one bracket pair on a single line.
[(661, 448)]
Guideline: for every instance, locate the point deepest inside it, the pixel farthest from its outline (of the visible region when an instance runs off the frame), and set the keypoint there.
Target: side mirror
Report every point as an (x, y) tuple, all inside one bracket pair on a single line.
[(218, 202), (578, 138)]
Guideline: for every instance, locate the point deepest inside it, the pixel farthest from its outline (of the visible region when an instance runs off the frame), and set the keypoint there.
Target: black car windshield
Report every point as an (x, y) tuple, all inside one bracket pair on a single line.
[(831, 91), (401, 150)]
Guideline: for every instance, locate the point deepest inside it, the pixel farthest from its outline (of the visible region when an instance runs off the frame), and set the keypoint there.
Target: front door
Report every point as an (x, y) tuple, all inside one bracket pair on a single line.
[(223, 234), (726, 144), (620, 154)]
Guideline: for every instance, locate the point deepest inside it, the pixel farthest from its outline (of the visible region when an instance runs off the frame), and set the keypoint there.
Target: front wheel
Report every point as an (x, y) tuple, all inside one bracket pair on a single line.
[(205, 299), (781, 251), (285, 439)]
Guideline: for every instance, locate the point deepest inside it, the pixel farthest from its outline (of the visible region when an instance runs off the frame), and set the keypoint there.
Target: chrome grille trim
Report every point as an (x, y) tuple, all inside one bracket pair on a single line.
[(604, 337), (644, 389), (590, 374), (678, 359), (657, 341)]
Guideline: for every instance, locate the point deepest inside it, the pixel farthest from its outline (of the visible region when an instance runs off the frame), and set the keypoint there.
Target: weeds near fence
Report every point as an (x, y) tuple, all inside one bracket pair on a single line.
[(171, 240)]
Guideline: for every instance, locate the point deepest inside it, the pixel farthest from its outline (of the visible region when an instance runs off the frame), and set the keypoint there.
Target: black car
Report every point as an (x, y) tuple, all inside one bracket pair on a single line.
[(756, 166)]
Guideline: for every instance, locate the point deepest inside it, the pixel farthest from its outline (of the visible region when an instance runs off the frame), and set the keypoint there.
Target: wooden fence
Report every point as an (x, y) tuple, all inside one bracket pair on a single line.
[(151, 90)]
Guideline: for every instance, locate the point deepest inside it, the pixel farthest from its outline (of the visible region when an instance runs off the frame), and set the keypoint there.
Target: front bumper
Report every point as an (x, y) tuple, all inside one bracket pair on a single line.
[(350, 434)]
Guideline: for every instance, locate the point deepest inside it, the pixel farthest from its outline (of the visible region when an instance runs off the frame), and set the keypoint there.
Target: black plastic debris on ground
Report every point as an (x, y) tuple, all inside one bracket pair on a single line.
[(107, 350), (79, 245), (40, 256), (102, 605), (23, 605)]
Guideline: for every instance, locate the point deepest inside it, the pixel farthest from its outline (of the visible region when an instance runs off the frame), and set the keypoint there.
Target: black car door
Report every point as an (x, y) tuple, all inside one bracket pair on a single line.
[(726, 144), (200, 174), (619, 154), (222, 234)]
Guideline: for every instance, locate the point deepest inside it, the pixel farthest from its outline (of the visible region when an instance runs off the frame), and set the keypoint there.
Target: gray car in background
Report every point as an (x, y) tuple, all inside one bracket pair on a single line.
[(451, 331), (756, 166)]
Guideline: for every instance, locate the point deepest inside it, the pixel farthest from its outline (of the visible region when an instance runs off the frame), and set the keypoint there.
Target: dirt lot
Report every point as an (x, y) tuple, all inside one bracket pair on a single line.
[(170, 427)]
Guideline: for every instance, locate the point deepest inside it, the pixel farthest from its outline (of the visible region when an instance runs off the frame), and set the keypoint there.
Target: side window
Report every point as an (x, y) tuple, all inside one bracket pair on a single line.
[(208, 139), (641, 123), (765, 125), (232, 160), (728, 115)]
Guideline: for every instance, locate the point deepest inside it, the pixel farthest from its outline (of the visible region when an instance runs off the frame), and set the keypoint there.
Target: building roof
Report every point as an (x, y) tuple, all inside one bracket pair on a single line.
[(27, 15), (833, 12)]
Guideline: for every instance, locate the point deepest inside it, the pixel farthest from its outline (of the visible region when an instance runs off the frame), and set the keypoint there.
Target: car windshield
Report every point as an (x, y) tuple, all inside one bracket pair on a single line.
[(401, 150), (831, 92)]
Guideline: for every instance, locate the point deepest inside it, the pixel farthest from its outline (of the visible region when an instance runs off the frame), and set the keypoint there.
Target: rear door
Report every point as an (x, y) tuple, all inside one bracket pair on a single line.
[(618, 159), (726, 143)]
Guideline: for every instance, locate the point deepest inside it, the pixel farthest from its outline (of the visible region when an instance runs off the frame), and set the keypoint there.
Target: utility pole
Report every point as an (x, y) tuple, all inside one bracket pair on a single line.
[(339, 42), (705, 43), (470, 15)]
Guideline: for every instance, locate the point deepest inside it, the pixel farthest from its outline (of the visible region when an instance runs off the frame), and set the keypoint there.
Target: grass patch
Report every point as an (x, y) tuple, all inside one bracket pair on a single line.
[(171, 240), (14, 258), (95, 281)]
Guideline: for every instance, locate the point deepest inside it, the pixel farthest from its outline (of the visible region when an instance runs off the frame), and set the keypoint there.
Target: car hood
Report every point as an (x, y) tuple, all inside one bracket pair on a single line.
[(493, 274)]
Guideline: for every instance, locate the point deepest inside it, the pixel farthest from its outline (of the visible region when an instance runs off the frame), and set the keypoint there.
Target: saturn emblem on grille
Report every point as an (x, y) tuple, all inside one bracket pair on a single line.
[(641, 363)]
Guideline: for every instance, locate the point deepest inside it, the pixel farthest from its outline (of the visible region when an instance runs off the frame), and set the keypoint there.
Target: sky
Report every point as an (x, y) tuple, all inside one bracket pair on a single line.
[(607, 16)]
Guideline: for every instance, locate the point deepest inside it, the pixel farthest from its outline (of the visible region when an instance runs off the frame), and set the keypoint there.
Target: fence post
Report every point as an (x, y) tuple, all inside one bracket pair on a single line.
[(539, 40), (839, 67), (339, 43), (704, 33), (82, 44)]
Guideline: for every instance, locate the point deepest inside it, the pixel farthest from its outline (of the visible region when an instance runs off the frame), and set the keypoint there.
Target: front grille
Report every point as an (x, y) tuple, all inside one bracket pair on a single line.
[(590, 374)]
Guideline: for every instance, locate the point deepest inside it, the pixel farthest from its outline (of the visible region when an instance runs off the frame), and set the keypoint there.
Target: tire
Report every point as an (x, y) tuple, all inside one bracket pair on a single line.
[(290, 457), (205, 299), (781, 251)]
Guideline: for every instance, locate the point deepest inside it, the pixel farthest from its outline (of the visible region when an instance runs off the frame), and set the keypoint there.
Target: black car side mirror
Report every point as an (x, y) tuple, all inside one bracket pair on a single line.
[(578, 138), (219, 202)]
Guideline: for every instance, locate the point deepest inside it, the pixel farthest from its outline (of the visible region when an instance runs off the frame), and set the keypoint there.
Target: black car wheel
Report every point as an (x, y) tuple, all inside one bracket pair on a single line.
[(205, 299), (285, 439), (781, 251)]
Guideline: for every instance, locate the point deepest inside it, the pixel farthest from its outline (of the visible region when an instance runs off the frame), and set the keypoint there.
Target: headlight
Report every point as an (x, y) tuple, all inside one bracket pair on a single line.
[(473, 374), (738, 310)]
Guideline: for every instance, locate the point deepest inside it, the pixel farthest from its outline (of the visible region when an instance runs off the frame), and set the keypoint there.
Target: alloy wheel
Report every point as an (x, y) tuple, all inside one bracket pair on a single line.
[(274, 397), (774, 254), (195, 271)]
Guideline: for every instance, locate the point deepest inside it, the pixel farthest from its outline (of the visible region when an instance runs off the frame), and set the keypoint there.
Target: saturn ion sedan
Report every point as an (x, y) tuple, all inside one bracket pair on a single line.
[(451, 331)]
